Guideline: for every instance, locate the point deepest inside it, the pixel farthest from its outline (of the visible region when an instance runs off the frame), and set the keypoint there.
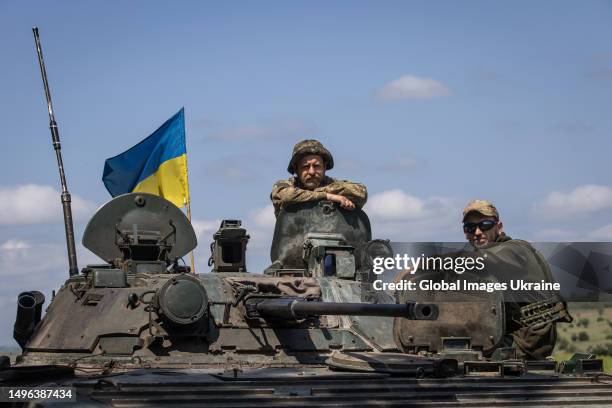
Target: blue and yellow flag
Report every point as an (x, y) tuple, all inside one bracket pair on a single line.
[(157, 165)]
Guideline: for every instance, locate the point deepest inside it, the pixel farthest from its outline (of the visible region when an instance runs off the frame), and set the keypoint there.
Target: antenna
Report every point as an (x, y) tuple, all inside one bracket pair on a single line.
[(72, 259)]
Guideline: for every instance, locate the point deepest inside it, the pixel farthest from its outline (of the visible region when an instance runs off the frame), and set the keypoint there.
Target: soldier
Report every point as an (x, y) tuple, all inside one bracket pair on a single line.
[(515, 259), (309, 162)]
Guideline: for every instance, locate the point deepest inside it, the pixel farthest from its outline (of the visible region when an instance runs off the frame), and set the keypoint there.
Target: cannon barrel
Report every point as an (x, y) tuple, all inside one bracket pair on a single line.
[(288, 308), (29, 311)]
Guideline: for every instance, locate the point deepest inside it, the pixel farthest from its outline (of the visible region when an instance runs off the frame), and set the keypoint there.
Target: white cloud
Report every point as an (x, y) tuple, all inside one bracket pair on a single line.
[(294, 129), (582, 201), (412, 87), (264, 217), (260, 224), (204, 229), (30, 260), (36, 204), (395, 205), (13, 250), (40, 266), (399, 216), (14, 245)]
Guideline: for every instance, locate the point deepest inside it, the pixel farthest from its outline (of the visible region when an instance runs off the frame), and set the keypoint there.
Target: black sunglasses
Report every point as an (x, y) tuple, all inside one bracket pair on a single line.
[(470, 227)]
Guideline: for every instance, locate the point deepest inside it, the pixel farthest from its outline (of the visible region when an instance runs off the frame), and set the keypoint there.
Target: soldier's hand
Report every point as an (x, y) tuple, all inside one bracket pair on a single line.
[(343, 201)]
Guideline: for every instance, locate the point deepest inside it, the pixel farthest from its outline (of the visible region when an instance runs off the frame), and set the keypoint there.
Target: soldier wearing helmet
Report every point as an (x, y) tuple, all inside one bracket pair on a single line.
[(309, 162), (508, 258)]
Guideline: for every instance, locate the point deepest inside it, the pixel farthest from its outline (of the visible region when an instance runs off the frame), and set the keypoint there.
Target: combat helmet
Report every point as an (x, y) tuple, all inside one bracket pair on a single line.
[(310, 146)]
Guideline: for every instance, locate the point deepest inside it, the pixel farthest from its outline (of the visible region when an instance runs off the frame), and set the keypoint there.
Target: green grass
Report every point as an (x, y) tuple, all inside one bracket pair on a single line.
[(597, 331)]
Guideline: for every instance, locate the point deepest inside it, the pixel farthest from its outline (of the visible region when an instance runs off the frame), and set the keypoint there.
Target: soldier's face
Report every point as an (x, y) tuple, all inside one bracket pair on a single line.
[(311, 170), (479, 238)]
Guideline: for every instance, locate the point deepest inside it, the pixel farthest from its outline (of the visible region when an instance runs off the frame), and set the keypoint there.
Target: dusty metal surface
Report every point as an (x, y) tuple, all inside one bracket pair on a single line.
[(293, 224)]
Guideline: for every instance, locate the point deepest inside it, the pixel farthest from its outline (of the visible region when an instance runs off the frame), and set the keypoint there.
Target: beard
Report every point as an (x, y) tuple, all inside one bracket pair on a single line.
[(481, 244), (311, 183), (484, 242)]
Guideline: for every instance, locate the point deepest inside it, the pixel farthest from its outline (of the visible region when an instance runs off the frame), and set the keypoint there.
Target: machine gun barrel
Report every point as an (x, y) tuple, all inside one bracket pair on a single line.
[(287, 308), (73, 269)]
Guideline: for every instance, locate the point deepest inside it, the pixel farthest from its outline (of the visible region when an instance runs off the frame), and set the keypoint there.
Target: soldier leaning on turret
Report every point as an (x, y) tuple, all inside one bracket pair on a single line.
[(516, 259), (309, 162)]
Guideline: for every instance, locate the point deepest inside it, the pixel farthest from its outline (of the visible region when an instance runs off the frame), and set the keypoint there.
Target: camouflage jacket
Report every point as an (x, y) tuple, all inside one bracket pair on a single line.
[(513, 259), (516, 259), (287, 192)]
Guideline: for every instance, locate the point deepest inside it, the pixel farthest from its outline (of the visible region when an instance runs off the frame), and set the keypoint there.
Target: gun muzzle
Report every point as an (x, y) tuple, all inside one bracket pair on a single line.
[(29, 312)]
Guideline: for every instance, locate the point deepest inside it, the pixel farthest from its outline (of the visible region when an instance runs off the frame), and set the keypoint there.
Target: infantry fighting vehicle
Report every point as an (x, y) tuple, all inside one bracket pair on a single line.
[(141, 329)]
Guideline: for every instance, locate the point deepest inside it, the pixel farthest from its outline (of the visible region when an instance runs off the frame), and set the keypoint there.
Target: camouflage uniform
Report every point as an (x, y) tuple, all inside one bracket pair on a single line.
[(288, 192), (516, 259), (507, 259)]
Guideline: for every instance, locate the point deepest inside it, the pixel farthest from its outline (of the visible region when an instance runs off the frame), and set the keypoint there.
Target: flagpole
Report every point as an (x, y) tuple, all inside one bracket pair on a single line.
[(188, 203), (191, 257)]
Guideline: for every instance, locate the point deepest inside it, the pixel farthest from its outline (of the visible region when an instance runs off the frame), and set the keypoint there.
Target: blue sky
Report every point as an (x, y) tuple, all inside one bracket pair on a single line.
[(431, 104)]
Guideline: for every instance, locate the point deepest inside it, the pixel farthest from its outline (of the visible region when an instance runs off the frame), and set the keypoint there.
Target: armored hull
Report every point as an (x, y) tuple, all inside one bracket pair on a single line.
[(141, 330)]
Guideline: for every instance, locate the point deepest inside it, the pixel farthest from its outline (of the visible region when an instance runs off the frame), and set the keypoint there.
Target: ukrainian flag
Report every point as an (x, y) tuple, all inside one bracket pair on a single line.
[(157, 165)]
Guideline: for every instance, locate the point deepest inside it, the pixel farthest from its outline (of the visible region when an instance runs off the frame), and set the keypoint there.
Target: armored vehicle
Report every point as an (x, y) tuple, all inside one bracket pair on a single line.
[(141, 329)]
